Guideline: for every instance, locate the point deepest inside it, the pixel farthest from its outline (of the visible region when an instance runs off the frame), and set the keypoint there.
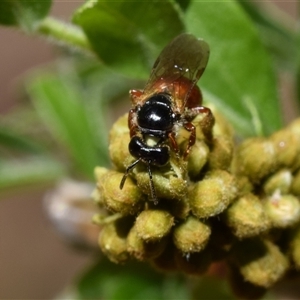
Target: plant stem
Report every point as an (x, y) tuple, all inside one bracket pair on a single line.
[(64, 33)]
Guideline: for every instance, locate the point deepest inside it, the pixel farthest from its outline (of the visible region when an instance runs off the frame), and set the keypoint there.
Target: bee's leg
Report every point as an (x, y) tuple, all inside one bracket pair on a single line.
[(192, 139), (127, 172), (152, 188), (173, 142), (135, 96), (132, 125), (207, 121)]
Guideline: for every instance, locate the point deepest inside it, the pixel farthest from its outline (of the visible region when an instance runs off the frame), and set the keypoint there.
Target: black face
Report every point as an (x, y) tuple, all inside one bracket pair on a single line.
[(156, 116), (158, 155)]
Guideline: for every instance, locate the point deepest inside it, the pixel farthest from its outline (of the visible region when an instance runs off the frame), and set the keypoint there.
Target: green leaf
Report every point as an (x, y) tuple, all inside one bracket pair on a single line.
[(133, 281), (128, 35), (276, 36), (74, 121), (239, 75), (183, 4), (23, 13), (32, 171), (209, 287), (14, 141)]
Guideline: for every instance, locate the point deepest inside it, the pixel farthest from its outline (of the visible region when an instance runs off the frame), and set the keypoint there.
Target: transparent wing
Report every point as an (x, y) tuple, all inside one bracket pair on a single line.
[(184, 58)]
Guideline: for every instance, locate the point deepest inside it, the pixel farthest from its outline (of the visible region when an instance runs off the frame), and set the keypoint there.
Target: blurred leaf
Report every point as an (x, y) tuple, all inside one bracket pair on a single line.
[(208, 287), (128, 35), (23, 13), (76, 122), (16, 174), (239, 75), (104, 84), (183, 4), (136, 281), (15, 141), (279, 40)]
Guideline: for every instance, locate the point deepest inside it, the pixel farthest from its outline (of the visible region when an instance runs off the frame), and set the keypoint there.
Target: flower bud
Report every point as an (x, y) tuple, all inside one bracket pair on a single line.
[(153, 225), (244, 185), (112, 240), (285, 145), (246, 217), (119, 140), (279, 182), (294, 128), (197, 158), (222, 127), (127, 201), (221, 153), (191, 235), (255, 158), (282, 210), (244, 289), (167, 186), (99, 172), (260, 261), (142, 250), (213, 194)]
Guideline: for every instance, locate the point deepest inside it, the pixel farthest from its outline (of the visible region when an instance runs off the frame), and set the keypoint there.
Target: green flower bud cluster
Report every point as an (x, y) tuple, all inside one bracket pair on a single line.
[(236, 207), (175, 233), (265, 217)]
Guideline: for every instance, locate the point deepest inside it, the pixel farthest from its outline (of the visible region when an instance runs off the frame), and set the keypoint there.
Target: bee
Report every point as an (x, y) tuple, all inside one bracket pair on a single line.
[(171, 99)]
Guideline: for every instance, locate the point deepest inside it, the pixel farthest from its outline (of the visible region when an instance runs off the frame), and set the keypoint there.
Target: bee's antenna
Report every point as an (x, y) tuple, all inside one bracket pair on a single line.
[(127, 172), (153, 193)]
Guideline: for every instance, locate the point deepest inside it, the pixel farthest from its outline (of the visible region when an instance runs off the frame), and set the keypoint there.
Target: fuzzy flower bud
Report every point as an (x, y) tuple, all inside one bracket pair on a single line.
[(127, 201), (222, 127), (213, 194), (197, 158), (118, 146), (285, 145), (167, 186), (153, 225), (244, 185), (246, 217), (282, 210), (255, 158), (294, 128), (142, 250), (112, 240), (221, 153), (260, 262), (191, 235), (244, 289), (279, 182)]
